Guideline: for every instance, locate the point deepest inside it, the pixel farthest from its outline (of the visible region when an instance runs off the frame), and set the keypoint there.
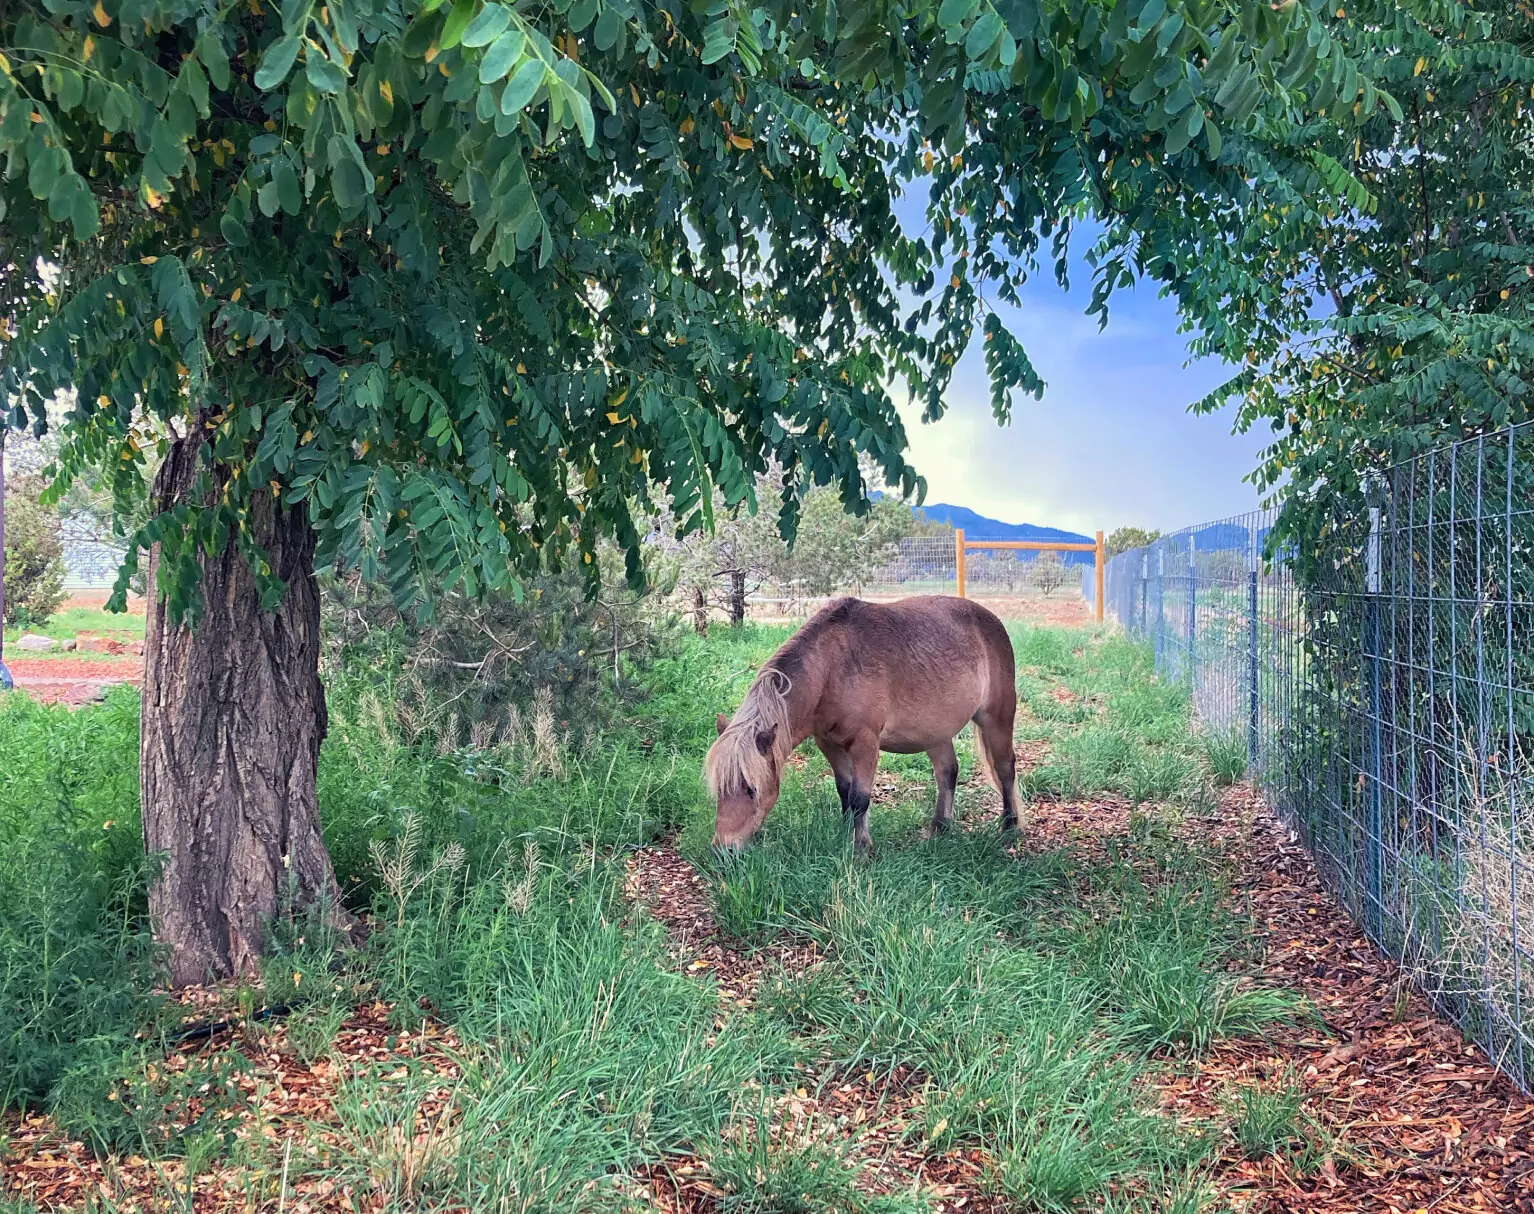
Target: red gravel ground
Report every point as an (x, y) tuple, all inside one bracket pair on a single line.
[(73, 681)]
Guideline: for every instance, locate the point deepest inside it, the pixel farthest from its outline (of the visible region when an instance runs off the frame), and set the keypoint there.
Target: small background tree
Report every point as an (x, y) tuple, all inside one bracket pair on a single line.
[(1125, 539), (1048, 573), (34, 556)]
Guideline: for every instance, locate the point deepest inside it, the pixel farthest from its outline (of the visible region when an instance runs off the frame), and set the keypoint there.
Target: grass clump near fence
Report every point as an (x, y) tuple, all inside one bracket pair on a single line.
[(1021, 1005)]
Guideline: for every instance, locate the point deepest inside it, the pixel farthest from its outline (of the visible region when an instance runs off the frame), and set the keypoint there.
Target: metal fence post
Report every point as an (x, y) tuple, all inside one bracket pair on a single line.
[(1192, 613), (1375, 850), (1160, 608), (1144, 585), (1254, 699)]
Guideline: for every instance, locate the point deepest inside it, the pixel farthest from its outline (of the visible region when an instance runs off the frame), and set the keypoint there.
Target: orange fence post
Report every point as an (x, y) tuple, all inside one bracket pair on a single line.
[(1100, 563), (958, 556)]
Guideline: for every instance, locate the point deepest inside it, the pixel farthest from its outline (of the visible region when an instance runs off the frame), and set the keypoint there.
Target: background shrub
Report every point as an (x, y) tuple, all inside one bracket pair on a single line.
[(34, 556)]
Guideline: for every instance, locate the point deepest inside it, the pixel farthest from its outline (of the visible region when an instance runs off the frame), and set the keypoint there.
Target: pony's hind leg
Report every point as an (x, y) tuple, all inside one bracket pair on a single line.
[(996, 737), (945, 772)]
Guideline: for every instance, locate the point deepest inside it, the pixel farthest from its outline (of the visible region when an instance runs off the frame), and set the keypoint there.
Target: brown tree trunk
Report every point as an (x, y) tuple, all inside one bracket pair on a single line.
[(699, 612), (737, 596), (233, 716)]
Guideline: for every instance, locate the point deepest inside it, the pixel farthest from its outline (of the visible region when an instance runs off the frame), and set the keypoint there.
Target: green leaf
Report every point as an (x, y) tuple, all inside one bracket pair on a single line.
[(584, 121), (503, 53), (276, 63), (609, 26), (287, 187), (983, 34), (954, 13), (269, 199), (324, 76), (522, 87), (234, 231), (457, 22), (210, 49), (488, 26)]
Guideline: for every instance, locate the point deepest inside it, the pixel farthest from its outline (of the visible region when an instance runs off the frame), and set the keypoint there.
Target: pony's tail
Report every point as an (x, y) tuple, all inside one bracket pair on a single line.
[(982, 756)]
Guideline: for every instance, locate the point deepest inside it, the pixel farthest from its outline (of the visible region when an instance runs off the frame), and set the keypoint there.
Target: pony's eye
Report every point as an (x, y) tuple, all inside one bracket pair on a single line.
[(750, 792)]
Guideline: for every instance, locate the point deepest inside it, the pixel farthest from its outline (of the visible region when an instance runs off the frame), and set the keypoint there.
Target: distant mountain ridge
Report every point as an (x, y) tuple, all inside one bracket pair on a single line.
[(977, 526)]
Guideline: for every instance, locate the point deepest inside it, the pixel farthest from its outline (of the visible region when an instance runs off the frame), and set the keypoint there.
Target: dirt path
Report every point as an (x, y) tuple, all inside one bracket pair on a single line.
[(1415, 1118)]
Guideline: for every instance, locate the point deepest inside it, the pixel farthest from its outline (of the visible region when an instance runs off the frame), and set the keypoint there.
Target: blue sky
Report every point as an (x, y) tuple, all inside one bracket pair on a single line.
[(1111, 443)]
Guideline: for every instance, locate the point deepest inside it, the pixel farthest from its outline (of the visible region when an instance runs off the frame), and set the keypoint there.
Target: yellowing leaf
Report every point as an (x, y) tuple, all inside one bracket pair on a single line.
[(159, 326), (86, 50), (615, 418), (1421, 63), (386, 91), (101, 15), (739, 141), (687, 125), (939, 1127), (235, 298)]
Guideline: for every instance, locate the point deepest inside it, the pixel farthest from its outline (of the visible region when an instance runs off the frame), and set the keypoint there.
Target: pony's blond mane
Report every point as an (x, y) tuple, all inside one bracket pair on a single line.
[(734, 763)]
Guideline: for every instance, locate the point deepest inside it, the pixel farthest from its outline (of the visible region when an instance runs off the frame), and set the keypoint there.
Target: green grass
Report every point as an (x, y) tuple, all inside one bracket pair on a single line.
[(65, 624), (1033, 997), (1271, 1119)]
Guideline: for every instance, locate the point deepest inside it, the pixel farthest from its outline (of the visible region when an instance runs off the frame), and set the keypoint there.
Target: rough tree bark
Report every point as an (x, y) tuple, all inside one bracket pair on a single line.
[(233, 716), (737, 596)]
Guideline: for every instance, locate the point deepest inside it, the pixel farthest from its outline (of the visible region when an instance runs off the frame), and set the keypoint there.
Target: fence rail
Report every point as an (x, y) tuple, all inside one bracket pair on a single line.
[(930, 564), (1385, 690)]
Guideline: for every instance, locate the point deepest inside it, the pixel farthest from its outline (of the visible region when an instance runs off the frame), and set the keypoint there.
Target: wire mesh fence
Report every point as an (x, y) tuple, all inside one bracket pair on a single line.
[(928, 564), (1384, 689)]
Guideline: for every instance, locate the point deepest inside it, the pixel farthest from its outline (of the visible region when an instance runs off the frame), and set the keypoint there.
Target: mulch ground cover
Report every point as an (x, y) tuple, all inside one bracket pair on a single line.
[(1411, 1118)]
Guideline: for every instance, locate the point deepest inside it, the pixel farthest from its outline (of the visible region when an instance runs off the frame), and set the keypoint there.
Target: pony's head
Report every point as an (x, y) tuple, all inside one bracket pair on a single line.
[(746, 760)]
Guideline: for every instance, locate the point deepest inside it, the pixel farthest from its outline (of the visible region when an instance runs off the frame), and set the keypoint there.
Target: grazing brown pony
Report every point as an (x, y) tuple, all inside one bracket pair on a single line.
[(864, 677)]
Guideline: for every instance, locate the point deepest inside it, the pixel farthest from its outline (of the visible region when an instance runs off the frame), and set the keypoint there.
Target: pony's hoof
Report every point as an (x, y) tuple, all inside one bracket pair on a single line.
[(937, 830), (1009, 826)]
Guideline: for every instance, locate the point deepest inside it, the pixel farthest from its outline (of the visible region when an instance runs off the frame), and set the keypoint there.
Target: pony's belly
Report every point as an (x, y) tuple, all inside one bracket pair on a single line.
[(916, 733)]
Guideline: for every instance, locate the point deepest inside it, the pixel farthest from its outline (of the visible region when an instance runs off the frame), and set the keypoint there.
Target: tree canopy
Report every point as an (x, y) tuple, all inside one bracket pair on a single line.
[(471, 282), (1399, 319)]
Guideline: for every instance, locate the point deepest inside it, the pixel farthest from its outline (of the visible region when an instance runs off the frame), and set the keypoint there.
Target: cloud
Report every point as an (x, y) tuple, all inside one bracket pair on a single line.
[(1111, 443)]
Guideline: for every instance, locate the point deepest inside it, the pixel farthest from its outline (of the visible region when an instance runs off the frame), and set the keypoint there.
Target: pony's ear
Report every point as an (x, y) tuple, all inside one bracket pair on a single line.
[(764, 739), (721, 722)]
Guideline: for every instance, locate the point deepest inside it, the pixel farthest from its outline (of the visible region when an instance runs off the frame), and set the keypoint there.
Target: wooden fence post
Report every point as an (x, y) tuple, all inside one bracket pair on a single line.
[(958, 555), (1101, 561)]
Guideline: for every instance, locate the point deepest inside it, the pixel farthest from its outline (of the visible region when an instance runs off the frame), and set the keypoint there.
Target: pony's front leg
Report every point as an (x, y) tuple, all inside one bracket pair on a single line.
[(864, 752), (841, 767)]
